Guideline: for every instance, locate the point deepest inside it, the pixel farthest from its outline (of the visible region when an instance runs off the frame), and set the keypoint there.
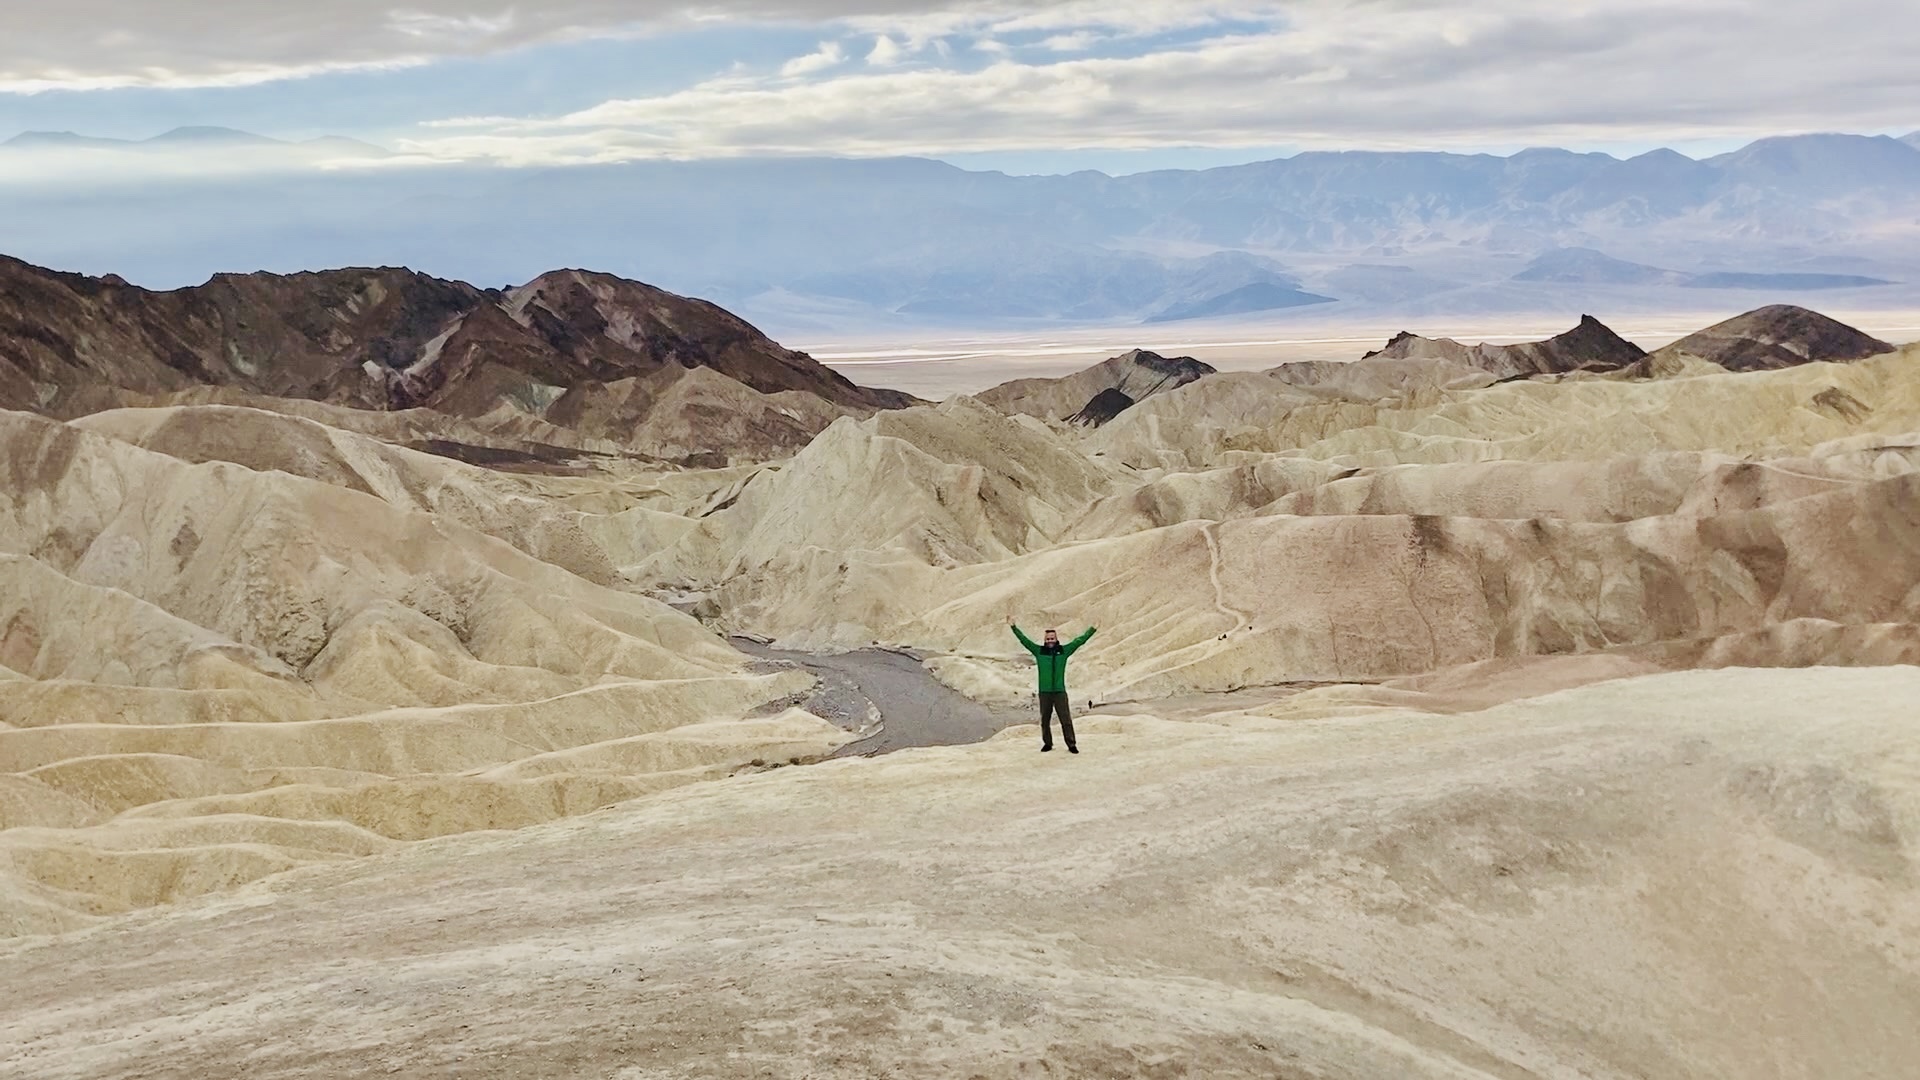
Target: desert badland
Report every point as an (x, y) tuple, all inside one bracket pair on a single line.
[(370, 699)]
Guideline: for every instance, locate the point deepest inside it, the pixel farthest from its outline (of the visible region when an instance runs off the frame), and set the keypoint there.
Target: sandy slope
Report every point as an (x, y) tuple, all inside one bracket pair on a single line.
[(1702, 874), (228, 672), (1216, 420), (1368, 539)]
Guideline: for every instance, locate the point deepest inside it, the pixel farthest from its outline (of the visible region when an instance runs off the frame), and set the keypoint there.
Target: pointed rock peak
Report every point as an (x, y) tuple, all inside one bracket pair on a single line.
[(1590, 328), (1593, 345)]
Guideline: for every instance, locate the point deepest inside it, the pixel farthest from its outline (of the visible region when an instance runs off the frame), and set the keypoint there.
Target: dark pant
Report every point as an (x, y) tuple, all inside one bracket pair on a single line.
[(1055, 702)]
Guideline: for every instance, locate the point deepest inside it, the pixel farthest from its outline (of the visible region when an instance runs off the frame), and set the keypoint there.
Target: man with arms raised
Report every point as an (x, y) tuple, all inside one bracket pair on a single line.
[(1051, 658)]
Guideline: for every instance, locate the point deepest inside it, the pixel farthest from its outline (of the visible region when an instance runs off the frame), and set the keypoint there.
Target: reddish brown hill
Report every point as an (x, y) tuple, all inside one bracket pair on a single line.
[(375, 338), (1775, 337)]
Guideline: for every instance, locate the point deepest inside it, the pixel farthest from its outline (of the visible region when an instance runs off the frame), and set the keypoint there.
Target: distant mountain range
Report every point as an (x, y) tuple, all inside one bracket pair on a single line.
[(814, 245)]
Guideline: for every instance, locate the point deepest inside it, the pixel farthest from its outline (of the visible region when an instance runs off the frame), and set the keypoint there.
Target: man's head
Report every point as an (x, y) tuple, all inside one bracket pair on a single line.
[(1052, 637)]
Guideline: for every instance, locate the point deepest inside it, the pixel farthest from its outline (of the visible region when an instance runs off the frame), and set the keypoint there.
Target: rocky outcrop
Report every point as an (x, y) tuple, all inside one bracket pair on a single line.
[(1590, 346), (1773, 337), (1138, 374)]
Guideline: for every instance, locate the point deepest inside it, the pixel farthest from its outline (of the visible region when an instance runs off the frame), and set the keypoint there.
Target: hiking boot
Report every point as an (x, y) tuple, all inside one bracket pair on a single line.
[(1048, 747), (1073, 749)]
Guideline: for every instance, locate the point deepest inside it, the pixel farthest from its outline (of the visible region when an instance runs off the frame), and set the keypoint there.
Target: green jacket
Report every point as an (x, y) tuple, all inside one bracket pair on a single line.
[(1053, 666)]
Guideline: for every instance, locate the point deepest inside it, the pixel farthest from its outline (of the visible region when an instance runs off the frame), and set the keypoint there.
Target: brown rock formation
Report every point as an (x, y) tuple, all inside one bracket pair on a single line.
[(380, 339), (1590, 346), (1773, 337)]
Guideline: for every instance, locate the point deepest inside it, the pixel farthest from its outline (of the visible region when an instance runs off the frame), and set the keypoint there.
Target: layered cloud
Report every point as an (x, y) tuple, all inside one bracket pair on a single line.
[(898, 76), (103, 44), (1386, 73)]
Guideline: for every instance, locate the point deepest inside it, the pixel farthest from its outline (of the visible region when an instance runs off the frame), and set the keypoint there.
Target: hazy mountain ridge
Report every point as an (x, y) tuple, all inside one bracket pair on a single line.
[(833, 241)]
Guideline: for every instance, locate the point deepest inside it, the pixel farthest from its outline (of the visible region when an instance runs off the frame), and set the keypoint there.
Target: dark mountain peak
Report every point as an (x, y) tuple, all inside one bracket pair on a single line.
[(1595, 342), (1778, 336), (1184, 368)]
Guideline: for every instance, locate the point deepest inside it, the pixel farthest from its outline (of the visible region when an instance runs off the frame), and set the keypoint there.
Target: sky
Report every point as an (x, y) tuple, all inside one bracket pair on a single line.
[(1116, 85)]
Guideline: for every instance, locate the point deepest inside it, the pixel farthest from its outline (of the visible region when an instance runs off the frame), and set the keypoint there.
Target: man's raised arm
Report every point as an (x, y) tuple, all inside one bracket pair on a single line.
[(1024, 639), (1077, 642)]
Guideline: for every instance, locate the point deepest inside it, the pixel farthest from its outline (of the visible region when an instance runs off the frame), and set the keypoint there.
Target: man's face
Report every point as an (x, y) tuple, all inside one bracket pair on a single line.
[(1052, 637)]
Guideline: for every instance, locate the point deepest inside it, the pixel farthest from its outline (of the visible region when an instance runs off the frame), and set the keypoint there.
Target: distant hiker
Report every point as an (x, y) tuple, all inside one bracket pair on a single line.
[(1051, 657)]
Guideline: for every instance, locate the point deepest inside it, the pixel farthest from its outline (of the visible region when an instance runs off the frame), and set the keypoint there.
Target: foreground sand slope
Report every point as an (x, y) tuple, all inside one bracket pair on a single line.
[(1701, 874)]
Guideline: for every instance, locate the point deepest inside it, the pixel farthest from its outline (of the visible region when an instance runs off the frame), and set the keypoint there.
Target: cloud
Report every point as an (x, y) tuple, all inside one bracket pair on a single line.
[(828, 55), (1384, 73), (199, 43), (451, 28), (1078, 41), (999, 75)]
